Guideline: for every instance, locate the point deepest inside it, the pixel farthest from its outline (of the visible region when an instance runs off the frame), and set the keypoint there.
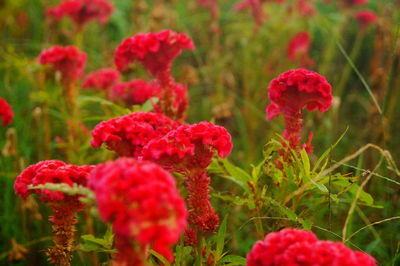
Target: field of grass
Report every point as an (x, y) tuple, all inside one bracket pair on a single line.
[(347, 189)]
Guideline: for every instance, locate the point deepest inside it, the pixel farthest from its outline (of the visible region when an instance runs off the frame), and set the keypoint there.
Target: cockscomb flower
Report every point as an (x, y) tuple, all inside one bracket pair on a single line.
[(293, 91), (127, 135), (298, 49), (189, 149), (300, 247), (366, 17), (82, 11), (66, 59), (6, 113), (65, 207), (155, 51), (134, 92), (141, 201), (102, 79)]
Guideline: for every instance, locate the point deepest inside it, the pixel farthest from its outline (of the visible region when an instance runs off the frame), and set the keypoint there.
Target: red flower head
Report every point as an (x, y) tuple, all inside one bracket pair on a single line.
[(298, 48), (293, 91), (189, 146), (127, 135), (306, 8), (82, 11), (142, 202), (52, 171), (366, 17), (68, 60), (102, 79), (136, 91), (155, 51), (299, 247), (6, 113)]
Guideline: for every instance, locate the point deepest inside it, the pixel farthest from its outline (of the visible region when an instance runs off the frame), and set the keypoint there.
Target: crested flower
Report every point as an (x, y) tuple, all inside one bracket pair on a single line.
[(189, 149), (145, 212), (300, 247), (298, 49), (82, 11), (293, 91), (65, 207), (6, 113), (68, 60), (127, 135), (134, 92), (155, 51), (366, 17), (102, 79)]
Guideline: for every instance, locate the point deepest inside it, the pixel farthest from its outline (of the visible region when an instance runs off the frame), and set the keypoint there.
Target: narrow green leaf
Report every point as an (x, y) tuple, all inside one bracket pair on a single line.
[(160, 257), (233, 260), (221, 237)]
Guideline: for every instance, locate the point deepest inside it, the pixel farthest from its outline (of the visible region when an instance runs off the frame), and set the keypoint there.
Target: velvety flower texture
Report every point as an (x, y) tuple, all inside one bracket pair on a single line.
[(143, 204), (82, 11), (68, 60), (136, 91), (366, 17), (6, 113), (298, 49), (155, 51), (65, 207), (293, 91), (102, 79), (299, 247), (127, 135)]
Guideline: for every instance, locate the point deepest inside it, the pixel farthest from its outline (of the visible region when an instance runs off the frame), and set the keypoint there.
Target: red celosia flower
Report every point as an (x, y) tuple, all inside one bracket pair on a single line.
[(366, 17), (298, 49), (293, 91), (102, 79), (155, 51), (306, 8), (65, 207), (136, 91), (189, 149), (68, 60), (82, 11), (6, 113), (143, 204), (299, 247), (127, 135)]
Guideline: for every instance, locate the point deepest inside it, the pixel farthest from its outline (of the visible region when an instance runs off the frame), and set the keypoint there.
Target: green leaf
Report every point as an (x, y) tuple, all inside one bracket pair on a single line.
[(306, 162), (160, 257), (233, 260), (320, 186), (221, 238), (364, 196)]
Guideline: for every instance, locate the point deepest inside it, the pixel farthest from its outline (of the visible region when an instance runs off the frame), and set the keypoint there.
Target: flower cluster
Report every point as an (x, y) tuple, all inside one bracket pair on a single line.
[(143, 204), (82, 11), (102, 79), (127, 135), (68, 60), (65, 207), (298, 49), (366, 17), (156, 52), (299, 247), (133, 92), (6, 113), (293, 91)]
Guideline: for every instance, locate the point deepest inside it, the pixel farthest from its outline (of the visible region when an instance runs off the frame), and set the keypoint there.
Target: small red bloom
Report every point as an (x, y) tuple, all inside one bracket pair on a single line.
[(6, 113), (298, 48), (306, 8), (189, 146), (293, 91), (143, 204), (127, 135), (68, 60), (366, 17), (136, 91), (299, 247), (82, 11), (102, 79), (155, 51)]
